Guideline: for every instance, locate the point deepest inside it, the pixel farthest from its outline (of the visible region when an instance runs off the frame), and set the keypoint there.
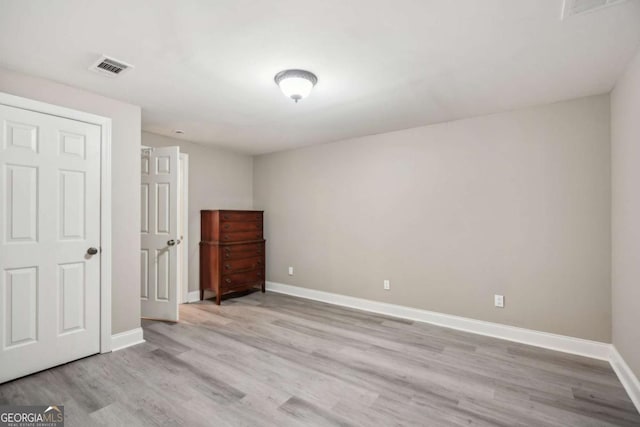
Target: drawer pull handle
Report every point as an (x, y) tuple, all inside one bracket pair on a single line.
[(227, 266), (225, 216), (226, 226), (227, 280), (227, 255)]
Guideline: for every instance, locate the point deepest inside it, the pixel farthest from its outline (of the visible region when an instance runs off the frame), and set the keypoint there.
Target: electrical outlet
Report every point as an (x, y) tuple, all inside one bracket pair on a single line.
[(386, 285), (498, 301), (290, 271)]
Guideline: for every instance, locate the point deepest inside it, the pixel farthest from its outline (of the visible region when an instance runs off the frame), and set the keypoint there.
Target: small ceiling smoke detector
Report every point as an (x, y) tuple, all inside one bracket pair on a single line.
[(579, 7), (296, 84), (109, 66), (179, 131)]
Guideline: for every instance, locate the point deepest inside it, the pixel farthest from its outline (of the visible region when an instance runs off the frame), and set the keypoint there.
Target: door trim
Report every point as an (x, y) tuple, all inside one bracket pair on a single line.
[(105, 196), (184, 280)]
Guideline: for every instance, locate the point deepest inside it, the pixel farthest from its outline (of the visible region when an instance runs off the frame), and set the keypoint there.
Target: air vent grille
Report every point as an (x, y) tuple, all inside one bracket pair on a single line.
[(579, 7), (109, 66)]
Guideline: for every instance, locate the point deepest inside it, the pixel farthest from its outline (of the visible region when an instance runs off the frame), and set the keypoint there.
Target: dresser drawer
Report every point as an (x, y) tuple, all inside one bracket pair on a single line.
[(241, 236), (243, 264), (240, 216), (249, 250), (235, 279), (232, 227)]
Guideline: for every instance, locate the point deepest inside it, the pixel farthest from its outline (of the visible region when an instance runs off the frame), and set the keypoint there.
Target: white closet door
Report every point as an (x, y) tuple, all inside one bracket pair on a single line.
[(49, 225), (160, 234)]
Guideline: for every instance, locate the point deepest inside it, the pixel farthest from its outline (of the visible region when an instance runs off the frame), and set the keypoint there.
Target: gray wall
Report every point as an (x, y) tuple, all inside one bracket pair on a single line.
[(516, 203), (125, 186), (218, 179), (625, 145)]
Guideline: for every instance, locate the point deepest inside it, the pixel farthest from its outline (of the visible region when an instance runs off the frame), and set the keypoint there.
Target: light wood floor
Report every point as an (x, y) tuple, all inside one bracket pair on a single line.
[(268, 359)]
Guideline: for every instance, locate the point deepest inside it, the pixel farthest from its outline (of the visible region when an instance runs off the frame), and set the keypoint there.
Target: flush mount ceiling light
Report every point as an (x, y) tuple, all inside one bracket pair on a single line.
[(296, 84)]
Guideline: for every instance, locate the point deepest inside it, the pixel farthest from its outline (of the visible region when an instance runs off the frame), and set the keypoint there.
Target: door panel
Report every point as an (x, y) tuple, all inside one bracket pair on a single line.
[(163, 208), (21, 203), (21, 316), (72, 208), (49, 216), (144, 274), (72, 305), (159, 227)]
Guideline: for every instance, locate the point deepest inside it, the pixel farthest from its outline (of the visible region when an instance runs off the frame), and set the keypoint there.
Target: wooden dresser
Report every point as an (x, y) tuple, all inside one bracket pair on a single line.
[(232, 251)]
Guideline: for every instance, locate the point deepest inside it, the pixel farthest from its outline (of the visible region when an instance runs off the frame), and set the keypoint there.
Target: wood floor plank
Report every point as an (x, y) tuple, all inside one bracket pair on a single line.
[(276, 360)]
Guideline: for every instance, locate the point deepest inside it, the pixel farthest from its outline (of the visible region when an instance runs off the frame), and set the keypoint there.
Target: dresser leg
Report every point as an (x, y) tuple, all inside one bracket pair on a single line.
[(201, 294), (218, 298), (263, 287)]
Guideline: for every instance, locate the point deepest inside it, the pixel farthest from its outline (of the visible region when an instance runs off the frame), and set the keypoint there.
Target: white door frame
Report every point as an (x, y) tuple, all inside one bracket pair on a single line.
[(105, 197), (184, 183)]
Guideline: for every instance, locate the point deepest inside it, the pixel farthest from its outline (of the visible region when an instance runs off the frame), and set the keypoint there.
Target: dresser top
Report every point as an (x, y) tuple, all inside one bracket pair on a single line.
[(227, 210)]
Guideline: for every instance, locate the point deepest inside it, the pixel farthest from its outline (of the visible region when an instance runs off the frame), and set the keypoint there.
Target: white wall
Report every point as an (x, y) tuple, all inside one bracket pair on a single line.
[(218, 179), (625, 145), (125, 186), (516, 203)]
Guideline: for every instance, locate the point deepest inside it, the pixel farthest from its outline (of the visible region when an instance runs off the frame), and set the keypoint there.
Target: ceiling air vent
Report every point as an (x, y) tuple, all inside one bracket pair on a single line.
[(109, 66), (579, 7)]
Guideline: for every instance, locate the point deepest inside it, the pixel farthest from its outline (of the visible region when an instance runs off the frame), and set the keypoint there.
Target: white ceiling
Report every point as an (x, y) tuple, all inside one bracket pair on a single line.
[(207, 66)]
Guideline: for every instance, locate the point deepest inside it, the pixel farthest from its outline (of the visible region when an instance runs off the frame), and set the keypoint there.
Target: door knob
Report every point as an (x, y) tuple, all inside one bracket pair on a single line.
[(171, 242), (92, 251)]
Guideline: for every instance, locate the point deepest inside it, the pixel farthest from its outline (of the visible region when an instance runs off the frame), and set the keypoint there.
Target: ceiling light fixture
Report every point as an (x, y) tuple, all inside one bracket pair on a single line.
[(296, 84)]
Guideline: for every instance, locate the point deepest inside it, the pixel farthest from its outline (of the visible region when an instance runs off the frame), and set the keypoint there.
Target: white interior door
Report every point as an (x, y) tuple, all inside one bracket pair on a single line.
[(160, 234), (49, 220)]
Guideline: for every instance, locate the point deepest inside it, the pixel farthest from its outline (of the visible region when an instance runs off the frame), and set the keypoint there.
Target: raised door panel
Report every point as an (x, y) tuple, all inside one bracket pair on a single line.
[(21, 299), (21, 136), (72, 205), (163, 165), (73, 145), (72, 308), (144, 274), (163, 208), (163, 274), (144, 208), (144, 166), (21, 203)]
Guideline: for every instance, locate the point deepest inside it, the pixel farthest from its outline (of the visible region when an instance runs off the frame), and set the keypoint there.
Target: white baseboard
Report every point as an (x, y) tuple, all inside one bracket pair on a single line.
[(626, 376), (126, 339), (579, 346), (194, 296)]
